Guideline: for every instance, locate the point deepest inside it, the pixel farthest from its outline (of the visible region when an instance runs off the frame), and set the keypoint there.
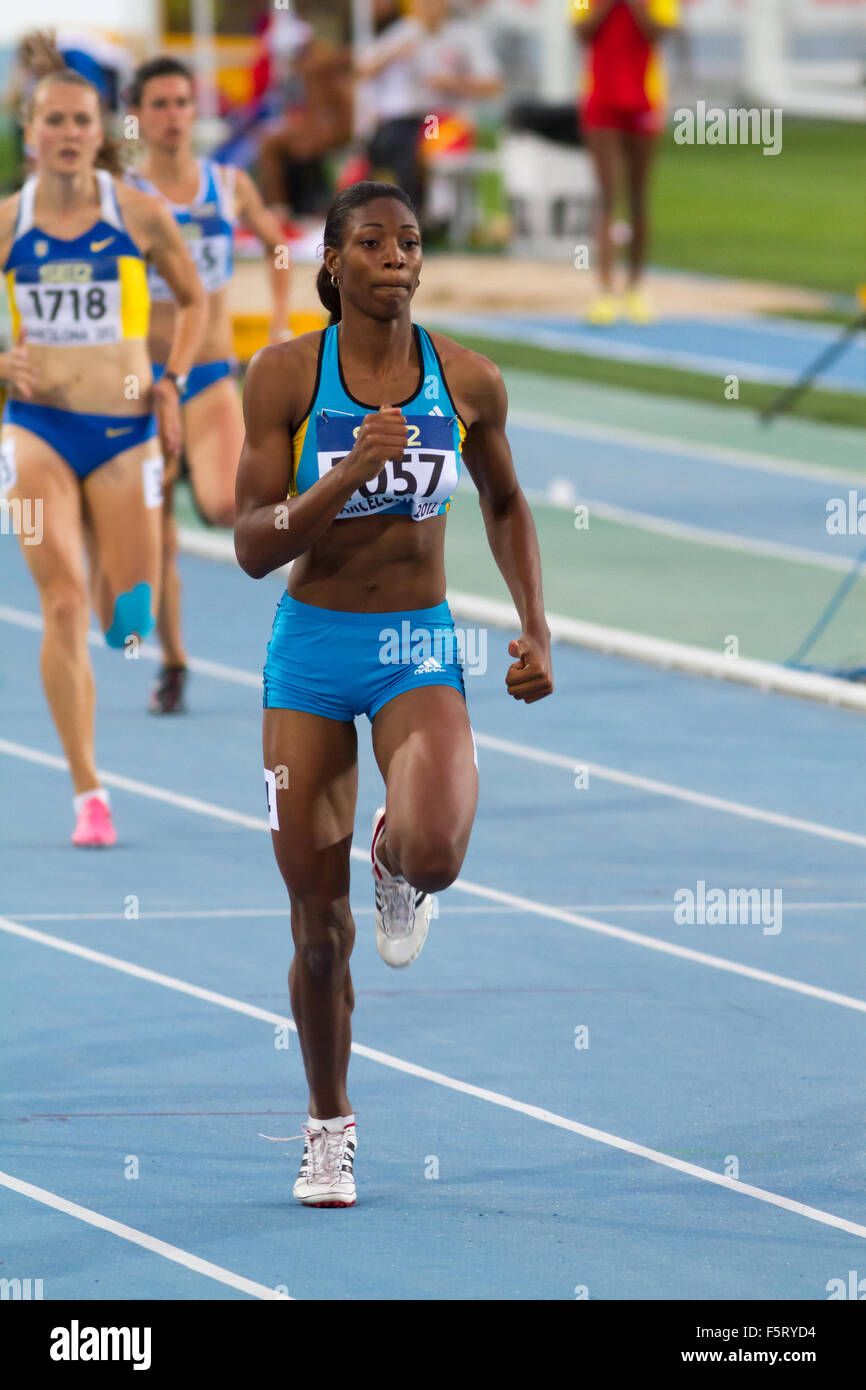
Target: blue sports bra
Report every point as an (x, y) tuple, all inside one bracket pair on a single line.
[(422, 483)]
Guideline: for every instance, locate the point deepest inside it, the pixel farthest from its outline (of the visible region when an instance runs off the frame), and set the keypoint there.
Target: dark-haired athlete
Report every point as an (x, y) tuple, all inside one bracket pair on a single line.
[(354, 443), (206, 200)]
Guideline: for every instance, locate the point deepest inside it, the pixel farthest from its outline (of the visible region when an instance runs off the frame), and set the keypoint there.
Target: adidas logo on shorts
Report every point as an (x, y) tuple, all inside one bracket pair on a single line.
[(430, 664)]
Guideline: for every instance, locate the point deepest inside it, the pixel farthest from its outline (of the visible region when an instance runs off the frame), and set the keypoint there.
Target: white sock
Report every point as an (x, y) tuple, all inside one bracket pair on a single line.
[(337, 1123), (99, 792)]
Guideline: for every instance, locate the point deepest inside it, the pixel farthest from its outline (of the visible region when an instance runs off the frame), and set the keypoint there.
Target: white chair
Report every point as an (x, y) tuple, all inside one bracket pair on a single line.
[(551, 193)]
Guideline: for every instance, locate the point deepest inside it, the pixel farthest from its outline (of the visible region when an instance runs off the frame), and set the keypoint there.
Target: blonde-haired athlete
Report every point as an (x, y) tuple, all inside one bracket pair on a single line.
[(79, 440)]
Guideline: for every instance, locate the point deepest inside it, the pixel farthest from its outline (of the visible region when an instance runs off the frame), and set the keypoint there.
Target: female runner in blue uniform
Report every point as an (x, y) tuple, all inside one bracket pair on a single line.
[(79, 438), (207, 201), (353, 447)]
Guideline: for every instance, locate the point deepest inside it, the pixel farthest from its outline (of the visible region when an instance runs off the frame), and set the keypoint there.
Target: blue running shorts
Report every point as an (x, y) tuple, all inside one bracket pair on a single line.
[(341, 664), (199, 378), (85, 442)]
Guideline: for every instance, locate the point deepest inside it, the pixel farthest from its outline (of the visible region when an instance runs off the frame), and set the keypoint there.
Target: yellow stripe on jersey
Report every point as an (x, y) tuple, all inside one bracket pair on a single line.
[(134, 297), (13, 307), (655, 82), (665, 12), (297, 449)]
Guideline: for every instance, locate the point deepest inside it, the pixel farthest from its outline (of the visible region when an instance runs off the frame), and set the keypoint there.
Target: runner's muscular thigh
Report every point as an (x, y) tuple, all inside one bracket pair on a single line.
[(314, 765)]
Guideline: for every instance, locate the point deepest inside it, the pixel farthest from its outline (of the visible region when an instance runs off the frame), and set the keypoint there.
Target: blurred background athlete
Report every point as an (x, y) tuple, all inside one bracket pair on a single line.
[(207, 200), (622, 114), (79, 435)]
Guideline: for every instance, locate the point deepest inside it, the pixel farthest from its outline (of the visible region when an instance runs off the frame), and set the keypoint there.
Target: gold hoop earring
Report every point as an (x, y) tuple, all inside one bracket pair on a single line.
[(335, 281)]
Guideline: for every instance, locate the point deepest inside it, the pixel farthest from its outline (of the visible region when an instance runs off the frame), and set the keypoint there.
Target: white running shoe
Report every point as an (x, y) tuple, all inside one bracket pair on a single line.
[(402, 912), (327, 1176)]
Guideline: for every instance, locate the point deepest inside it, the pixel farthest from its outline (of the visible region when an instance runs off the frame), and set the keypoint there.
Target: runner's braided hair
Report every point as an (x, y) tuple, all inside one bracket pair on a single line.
[(357, 195)]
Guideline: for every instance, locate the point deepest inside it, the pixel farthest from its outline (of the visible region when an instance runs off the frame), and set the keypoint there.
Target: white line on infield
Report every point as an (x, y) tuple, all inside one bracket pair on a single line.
[(667, 444), (701, 535)]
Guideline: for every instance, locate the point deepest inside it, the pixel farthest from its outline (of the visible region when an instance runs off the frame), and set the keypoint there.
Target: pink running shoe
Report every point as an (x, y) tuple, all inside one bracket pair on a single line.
[(94, 826)]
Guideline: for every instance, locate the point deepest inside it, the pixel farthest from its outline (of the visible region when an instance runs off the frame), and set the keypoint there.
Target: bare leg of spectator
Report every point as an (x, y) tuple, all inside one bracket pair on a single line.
[(605, 148), (639, 152)]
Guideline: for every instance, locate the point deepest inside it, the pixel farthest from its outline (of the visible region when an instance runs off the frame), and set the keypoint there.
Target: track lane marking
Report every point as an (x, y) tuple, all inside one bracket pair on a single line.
[(236, 676), (136, 1237), (463, 885), (387, 1059)]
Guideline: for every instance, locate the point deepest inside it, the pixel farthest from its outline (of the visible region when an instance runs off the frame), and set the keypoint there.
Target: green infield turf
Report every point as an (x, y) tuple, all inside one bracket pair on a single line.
[(795, 218)]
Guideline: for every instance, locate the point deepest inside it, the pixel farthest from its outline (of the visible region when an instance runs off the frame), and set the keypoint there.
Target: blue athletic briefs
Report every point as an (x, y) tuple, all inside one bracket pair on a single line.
[(341, 664)]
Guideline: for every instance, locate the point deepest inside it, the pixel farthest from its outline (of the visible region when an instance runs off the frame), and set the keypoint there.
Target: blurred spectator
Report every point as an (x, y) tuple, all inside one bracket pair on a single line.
[(418, 67), (622, 114), (291, 156), (107, 65)]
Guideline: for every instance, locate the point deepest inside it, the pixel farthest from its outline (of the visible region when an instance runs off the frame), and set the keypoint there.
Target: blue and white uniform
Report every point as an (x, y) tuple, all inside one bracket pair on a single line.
[(207, 225), (340, 664), (86, 292)]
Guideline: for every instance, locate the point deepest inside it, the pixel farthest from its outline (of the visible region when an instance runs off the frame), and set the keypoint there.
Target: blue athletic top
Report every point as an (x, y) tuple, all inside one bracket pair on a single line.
[(78, 293), (422, 483), (207, 225)]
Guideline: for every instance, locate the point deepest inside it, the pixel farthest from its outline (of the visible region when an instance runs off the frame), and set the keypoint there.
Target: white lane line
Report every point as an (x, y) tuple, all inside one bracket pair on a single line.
[(702, 535), (386, 1059), (502, 745), (650, 784), (618, 642), (209, 914), (33, 622), (129, 784), (157, 1247), (663, 443), (463, 885), (577, 919)]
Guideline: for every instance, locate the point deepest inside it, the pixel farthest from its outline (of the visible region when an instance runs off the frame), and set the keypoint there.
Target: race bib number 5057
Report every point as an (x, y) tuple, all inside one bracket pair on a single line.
[(424, 477)]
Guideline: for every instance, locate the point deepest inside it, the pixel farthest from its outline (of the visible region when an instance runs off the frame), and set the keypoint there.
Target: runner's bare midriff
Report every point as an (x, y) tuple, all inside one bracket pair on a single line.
[(217, 345), (378, 564), (103, 379)]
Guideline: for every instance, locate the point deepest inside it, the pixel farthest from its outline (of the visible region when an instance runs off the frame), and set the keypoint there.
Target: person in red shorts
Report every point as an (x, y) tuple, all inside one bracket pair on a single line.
[(622, 113)]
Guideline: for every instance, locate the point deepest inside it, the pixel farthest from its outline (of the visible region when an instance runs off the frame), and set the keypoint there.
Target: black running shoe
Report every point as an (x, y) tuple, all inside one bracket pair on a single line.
[(167, 692)]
